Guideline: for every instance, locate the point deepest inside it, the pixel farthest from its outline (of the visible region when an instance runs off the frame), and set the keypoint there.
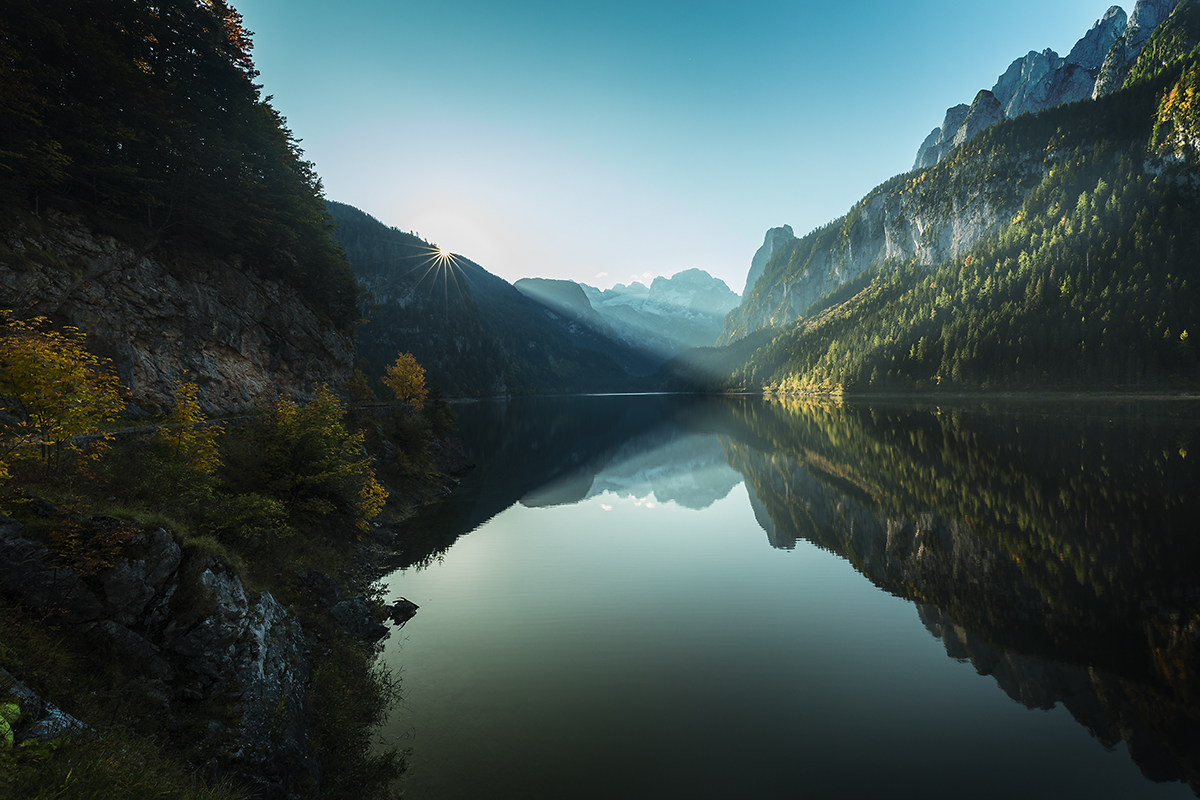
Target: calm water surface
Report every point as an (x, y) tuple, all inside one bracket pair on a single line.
[(671, 596)]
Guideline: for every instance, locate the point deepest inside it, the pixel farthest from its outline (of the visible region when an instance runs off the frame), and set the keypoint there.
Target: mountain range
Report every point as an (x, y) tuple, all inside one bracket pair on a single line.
[(654, 323), (1030, 247), (1055, 248), (1045, 239)]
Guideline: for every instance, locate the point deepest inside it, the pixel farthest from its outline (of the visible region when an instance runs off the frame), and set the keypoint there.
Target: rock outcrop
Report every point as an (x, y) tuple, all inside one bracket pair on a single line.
[(1147, 15), (162, 318), (771, 242), (902, 221), (1038, 81), (218, 641)]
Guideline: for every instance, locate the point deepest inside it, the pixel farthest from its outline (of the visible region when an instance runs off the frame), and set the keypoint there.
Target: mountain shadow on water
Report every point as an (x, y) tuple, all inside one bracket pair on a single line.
[(1052, 544)]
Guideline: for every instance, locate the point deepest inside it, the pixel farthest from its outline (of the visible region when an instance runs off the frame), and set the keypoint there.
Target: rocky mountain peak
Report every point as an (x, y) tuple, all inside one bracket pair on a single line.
[(696, 290), (771, 242), (1097, 64), (1147, 15), (1089, 51), (985, 111)]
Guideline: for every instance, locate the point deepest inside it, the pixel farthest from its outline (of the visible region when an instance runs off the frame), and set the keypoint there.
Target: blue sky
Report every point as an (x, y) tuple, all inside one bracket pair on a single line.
[(608, 141)]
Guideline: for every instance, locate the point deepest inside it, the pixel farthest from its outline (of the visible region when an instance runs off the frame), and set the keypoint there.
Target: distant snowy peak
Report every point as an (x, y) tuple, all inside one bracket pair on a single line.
[(671, 315), (1097, 64)]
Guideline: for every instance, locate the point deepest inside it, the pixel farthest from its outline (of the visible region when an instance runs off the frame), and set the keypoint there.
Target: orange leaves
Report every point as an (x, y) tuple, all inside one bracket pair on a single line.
[(51, 387), (407, 379)]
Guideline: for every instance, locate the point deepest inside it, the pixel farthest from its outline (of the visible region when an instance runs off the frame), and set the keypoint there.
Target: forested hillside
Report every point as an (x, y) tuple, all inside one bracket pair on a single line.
[(145, 119), (474, 333), (1089, 282)]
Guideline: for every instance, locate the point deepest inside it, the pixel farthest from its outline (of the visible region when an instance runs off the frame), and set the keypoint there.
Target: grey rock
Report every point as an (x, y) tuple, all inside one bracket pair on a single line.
[(256, 648), (1147, 15), (239, 337), (938, 143), (1089, 51), (210, 643), (326, 588), (40, 720), (1025, 84), (356, 619), (985, 111), (43, 508), (135, 646), (29, 576), (771, 242), (402, 611), (671, 315), (273, 747), (1041, 80)]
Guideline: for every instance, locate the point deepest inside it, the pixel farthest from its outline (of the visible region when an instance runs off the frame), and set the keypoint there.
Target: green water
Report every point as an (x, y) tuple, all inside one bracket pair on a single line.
[(685, 597)]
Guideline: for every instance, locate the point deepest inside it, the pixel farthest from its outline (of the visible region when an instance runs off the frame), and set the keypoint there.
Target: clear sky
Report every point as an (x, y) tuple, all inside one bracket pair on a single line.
[(617, 140)]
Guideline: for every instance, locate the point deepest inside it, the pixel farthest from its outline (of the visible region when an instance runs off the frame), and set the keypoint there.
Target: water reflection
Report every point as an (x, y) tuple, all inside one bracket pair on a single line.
[(1053, 546)]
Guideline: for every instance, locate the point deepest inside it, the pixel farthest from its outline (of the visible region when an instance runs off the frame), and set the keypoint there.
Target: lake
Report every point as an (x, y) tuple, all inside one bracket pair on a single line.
[(678, 596)]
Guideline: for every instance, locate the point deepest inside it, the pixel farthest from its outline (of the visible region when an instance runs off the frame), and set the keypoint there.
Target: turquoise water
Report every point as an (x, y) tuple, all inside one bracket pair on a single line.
[(665, 597)]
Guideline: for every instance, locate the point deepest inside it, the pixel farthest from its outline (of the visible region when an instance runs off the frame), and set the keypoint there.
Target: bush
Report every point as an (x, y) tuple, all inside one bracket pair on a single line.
[(305, 458)]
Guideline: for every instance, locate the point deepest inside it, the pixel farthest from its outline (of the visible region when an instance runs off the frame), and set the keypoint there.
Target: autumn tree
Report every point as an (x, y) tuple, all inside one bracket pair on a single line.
[(406, 378), (304, 458), (185, 454), (51, 388)]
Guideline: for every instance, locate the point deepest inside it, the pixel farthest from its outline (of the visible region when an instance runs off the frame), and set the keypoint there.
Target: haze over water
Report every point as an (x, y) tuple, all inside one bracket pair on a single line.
[(730, 597)]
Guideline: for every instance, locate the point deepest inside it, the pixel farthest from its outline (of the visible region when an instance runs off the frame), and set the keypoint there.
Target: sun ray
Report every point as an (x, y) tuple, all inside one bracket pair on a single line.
[(437, 264)]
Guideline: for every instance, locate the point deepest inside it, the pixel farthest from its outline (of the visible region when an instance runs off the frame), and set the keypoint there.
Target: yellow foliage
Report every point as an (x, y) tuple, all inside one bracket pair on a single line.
[(407, 379), (51, 387), (186, 433), (314, 465)]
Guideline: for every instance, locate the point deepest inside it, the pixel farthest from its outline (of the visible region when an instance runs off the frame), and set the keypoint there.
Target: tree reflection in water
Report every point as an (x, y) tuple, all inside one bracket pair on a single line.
[(1053, 545)]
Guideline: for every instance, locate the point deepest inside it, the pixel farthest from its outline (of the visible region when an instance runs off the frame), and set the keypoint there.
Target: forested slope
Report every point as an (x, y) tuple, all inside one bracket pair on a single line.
[(144, 118), (1088, 281), (474, 332)]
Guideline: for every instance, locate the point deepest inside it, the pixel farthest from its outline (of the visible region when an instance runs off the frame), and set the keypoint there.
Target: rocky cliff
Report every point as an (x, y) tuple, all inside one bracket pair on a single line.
[(1123, 53), (771, 242), (197, 638), (163, 317), (1096, 65), (908, 218)]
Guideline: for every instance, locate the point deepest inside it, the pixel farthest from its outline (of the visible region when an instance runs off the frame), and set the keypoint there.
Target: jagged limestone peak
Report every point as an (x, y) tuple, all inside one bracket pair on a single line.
[(1147, 15), (1089, 51), (771, 242)]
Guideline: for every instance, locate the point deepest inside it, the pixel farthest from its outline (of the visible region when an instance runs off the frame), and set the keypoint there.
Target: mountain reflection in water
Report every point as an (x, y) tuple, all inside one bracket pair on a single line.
[(1054, 545)]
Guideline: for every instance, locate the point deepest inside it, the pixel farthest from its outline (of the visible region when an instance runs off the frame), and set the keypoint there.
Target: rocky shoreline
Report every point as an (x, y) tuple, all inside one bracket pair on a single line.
[(228, 665)]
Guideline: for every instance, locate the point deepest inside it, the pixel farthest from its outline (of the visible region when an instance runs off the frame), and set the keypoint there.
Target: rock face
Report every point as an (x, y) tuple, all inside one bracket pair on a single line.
[(1038, 81), (901, 221), (218, 642), (241, 338), (771, 242), (938, 142), (1147, 15), (985, 111)]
